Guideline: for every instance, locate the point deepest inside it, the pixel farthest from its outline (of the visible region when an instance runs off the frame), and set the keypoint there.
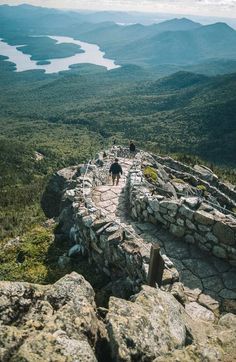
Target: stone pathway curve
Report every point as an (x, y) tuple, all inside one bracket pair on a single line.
[(206, 279), (111, 199)]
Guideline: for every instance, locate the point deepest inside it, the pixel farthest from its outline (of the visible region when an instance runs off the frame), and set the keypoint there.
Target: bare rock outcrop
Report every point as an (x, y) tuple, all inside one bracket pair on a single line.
[(60, 323), (52, 197), (49, 323), (155, 327)]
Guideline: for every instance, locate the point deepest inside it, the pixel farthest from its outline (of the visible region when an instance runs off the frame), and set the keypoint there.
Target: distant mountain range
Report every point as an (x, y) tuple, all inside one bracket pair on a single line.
[(170, 44), (217, 41)]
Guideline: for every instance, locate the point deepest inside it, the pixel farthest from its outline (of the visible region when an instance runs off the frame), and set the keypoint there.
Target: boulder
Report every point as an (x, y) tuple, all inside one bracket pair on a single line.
[(177, 290), (153, 326), (228, 320), (210, 303), (170, 205), (197, 311), (74, 250), (149, 326), (205, 173), (69, 194), (42, 323), (191, 201), (227, 336), (229, 306), (193, 353)]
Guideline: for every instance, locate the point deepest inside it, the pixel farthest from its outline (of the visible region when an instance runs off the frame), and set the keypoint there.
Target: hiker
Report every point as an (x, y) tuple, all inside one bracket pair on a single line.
[(115, 171), (132, 148)]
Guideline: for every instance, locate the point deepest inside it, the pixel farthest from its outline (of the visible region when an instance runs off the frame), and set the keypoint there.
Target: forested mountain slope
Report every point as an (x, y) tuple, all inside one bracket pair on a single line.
[(183, 112), (173, 44), (181, 47)]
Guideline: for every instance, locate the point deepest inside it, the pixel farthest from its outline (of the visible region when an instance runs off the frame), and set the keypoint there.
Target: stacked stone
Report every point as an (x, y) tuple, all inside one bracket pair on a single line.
[(116, 251), (187, 217), (224, 193), (115, 248)]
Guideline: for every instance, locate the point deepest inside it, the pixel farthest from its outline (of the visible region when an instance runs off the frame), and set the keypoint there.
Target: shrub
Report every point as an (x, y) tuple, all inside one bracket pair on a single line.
[(178, 181), (150, 173), (201, 188)]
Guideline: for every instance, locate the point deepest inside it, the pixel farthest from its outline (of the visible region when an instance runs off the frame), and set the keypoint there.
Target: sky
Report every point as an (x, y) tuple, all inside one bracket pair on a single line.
[(217, 8)]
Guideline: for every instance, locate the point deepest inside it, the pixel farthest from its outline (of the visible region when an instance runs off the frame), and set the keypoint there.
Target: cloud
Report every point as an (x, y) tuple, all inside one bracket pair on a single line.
[(219, 8)]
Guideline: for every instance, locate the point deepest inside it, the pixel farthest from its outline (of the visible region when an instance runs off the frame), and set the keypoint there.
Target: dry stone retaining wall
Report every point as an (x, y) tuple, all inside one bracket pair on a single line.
[(226, 193), (112, 246), (222, 198), (116, 251), (185, 217)]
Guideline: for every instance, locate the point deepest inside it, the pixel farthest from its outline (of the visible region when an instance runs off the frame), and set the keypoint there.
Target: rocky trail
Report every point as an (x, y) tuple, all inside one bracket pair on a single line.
[(208, 281), (191, 317)]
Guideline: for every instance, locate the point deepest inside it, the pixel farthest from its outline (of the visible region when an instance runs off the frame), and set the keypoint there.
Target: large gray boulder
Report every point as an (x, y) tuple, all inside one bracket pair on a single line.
[(205, 173), (149, 326), (60, 323), (155, 327), (49, 323)]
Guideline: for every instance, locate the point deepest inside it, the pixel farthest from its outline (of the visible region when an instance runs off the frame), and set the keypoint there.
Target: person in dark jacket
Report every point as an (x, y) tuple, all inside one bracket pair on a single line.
[(132, 148), (116, 172)]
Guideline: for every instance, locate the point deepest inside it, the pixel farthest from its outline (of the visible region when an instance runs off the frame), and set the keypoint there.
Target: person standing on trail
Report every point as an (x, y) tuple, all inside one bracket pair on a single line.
[(132, 148), (115, 171)]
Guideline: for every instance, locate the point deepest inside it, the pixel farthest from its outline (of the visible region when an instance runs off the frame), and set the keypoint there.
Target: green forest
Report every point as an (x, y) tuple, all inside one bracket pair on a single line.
[(68, 117), (51, 121)]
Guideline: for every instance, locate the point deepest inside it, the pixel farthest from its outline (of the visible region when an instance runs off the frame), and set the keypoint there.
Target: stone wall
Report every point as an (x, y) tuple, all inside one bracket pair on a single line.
[(187, 217), (114, 248), (116, 252), (225, 193)]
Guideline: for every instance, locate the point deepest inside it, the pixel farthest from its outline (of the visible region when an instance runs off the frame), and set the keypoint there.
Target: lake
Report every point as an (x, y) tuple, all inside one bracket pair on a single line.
[(92, 55)]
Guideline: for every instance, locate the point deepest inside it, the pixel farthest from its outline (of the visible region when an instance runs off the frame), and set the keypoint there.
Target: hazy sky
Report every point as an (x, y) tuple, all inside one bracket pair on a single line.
[(219, 8)]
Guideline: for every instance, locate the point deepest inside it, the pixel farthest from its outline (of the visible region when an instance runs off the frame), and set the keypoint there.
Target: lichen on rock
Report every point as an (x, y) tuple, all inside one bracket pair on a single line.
[(49, 323)]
